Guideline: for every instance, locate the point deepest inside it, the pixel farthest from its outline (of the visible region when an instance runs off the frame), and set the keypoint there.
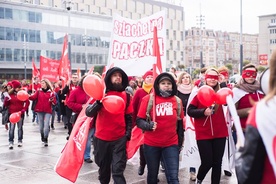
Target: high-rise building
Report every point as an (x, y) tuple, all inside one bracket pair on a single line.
[(267, 35), (31, 28)]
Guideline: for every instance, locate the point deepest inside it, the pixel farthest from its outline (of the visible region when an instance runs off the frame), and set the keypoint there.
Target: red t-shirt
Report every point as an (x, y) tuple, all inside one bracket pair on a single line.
[(166, 117), (203, 128), (111, 127)]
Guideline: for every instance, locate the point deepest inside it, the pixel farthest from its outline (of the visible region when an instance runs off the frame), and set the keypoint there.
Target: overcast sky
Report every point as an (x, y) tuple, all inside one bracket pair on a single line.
[(224, 15)]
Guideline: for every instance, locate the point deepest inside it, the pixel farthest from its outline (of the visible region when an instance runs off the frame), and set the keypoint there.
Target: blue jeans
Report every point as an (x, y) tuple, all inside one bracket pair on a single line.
[(88, 143), (44, 123), (20, 130), (170, 158)]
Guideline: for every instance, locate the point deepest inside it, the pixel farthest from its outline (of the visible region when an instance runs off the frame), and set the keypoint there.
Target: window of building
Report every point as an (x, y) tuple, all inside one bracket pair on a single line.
[(2, 13), (174, 35), (171, 44), (16, 55), (9, 33), (174, 55), (2, 54), (8, 13), (178, 45), (8, 54), (31, 16)]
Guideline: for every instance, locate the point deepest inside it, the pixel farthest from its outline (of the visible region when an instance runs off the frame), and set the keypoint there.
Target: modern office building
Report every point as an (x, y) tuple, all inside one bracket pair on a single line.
[(267, 35), (31, 28)]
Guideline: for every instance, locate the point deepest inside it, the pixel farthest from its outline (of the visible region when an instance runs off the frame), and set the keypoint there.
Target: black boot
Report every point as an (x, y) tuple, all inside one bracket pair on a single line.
[(198, 181), (42, 138), (46, 142), (141, 170)]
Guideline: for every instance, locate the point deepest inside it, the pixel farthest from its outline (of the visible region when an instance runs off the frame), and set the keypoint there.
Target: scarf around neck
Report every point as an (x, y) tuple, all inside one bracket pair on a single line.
[(147, 87), (250, 88), (185, 88)]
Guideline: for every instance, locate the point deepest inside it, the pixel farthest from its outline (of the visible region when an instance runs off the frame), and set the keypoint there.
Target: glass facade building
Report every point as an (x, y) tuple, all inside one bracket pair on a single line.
[(28, 33)]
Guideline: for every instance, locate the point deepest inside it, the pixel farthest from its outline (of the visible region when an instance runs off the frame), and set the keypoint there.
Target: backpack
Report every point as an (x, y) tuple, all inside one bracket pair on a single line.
[(150, 104)]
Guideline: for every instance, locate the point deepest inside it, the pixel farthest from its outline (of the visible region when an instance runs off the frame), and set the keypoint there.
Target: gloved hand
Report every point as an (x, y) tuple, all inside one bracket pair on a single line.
[(93, 109)]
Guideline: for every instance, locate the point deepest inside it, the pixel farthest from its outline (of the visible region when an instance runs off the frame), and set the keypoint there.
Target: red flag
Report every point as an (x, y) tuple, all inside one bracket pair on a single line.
[(71, 159), (79, 73), (137, 139), (35, 71), (156, 51), (64, 70), (91, 70)]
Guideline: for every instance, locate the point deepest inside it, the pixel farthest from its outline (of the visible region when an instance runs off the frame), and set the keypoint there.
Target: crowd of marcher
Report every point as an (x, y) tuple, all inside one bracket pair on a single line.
[(158, 107)]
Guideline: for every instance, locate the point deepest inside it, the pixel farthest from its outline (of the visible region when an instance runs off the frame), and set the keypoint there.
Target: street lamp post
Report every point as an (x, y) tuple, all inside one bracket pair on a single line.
[(201, 22), (241, 45), (68, 7), (25, 57), (86, 59)]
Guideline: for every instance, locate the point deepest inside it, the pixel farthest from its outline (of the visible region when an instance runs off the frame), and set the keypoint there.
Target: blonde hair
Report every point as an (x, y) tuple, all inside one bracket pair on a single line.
[(48, 84), (223, 68), (180, 76)]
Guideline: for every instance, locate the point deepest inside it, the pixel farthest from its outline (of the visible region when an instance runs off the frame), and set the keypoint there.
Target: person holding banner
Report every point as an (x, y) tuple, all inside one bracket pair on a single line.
[(256, 159), (211, 131), (162, 140), (137, 99), (247, 92), (113, 129)]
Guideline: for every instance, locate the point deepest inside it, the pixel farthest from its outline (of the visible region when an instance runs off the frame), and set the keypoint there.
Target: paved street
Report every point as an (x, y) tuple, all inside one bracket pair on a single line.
[(34, 163)]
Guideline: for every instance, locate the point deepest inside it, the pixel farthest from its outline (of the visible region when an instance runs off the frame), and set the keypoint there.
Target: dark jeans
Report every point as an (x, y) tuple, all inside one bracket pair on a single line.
[(142, 156), (211, 153), (20, 130), (111, 155), (170, 157)]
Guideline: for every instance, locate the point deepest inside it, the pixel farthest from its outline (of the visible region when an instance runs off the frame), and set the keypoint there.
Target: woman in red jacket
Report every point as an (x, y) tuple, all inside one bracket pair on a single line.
[(211, 131), (15, 105), (76, 100), (137, 99), (45, 99)]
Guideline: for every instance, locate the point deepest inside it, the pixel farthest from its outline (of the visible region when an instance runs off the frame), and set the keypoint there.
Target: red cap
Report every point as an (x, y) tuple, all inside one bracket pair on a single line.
[(16, 84), (9, 84), (147, 73)]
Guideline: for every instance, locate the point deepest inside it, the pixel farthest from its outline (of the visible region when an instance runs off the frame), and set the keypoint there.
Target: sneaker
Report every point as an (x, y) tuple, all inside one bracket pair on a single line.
[(45, 144), (192, 176), (10, 146), (19, 144), (88, 160)]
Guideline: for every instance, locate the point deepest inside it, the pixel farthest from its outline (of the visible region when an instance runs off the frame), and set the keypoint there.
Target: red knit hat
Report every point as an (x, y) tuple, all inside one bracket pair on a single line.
[(16, 84), (9, 84), (147, 73)]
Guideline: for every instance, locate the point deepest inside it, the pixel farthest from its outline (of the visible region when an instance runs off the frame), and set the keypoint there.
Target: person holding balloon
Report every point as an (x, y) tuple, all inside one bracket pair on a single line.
[(17, 107), (45, 99), (113, 124), (210, 127)]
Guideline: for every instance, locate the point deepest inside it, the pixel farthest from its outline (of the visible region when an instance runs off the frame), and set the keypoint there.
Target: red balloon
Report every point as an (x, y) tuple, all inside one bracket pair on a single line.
[(22, 95), (222, 94), (93, 86), (15, 117), (206, 95), (114, 104)]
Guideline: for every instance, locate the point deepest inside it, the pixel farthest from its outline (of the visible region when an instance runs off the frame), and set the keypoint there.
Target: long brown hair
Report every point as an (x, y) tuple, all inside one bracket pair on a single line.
[(272, 77)]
